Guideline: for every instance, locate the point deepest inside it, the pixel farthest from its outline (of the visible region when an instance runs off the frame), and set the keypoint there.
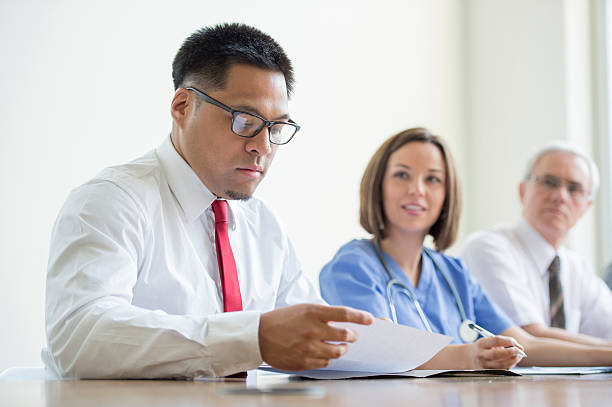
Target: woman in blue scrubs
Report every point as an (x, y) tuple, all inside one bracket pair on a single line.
[(410, 190)]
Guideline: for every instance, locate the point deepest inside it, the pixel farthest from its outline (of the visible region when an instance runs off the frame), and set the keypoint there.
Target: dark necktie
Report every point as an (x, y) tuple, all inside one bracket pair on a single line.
[(555, 294), (232, 300)]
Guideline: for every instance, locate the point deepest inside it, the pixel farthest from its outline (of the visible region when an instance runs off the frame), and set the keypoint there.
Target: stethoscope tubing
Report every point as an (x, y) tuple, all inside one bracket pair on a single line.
[(403, 288)]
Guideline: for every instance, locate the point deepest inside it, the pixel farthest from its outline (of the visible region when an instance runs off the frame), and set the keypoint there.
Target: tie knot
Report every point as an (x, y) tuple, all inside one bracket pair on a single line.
[(554, 266), (220, 210)]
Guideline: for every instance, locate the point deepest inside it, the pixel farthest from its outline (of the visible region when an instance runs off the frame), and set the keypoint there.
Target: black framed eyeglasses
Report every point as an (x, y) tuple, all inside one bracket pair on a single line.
[(245, 124)]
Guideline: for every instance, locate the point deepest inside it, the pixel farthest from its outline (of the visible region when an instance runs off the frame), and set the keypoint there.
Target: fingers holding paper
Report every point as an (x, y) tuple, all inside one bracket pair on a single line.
[(297, 337)]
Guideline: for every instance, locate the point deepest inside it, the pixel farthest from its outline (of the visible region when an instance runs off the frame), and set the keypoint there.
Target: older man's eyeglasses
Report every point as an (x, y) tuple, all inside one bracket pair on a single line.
[(248, 125), (551, 183)]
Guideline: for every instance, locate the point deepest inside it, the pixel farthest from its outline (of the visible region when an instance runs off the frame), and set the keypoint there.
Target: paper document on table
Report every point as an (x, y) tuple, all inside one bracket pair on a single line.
[(381, 349), (324, 374), (566, 370), (385, 347)]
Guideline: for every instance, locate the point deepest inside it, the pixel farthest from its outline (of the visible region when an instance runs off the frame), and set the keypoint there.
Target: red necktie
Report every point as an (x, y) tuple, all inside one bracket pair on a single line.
[(232, 301)]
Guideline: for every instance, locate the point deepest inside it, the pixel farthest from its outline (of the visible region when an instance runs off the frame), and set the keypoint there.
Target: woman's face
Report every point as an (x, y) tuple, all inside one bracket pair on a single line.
[(413, 188)]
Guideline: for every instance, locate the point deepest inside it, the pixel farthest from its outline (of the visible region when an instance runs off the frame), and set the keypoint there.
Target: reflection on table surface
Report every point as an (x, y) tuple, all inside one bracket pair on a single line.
[(529, 391)]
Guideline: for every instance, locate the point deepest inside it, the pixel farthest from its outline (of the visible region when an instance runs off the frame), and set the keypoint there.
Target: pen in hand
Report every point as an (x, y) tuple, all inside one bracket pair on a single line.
[(488, 334)]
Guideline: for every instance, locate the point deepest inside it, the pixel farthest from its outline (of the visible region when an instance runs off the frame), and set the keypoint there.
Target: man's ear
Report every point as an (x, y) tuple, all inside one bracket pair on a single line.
[(522, 187), (181, 106), (587, 205)]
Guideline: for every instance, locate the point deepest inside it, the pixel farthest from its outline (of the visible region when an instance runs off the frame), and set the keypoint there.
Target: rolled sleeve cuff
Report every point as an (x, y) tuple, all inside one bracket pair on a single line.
[(233, 342)]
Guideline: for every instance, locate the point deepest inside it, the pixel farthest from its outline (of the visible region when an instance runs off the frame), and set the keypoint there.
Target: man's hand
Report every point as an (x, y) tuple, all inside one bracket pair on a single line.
[(497, 352), (295, 338)]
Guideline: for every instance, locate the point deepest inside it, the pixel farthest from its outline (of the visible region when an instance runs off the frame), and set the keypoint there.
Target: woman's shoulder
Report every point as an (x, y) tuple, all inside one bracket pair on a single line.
[(356, 253), (355, 250), (357, 246)]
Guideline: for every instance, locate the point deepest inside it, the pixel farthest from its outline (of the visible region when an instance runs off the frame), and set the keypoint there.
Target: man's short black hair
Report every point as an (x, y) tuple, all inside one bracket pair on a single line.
[(207, 54)]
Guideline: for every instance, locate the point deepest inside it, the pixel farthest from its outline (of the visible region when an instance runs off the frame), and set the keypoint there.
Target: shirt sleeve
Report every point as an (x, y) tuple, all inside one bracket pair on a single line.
[(595, 305), (487, 313), (350, 279), (93, 330), (489, 259)]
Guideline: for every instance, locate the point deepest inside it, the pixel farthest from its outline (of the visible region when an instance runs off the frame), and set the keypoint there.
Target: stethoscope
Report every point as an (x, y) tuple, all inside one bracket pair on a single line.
[(467, 334)]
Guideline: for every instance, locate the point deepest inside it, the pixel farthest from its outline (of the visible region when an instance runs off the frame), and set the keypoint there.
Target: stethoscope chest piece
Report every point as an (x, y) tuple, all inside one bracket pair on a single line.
[(467, 334)]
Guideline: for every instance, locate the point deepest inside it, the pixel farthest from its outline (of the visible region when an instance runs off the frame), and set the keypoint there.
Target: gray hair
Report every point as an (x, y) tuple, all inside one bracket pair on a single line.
[(564, 147)]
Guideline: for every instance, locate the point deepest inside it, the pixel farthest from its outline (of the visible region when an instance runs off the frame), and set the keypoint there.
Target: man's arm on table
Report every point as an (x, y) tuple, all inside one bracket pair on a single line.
[(94, 331), (555, 352), (544, 331)]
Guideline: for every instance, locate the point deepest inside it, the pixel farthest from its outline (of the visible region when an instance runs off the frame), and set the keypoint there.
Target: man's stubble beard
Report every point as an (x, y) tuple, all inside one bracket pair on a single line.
[(237, 195)]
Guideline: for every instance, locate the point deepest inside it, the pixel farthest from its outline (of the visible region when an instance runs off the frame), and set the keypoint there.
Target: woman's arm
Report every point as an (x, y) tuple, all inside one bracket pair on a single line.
[(497, 352)]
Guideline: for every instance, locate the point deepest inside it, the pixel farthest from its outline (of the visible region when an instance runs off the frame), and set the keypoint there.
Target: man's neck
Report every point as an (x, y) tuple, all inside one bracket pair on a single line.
[(551, 236)]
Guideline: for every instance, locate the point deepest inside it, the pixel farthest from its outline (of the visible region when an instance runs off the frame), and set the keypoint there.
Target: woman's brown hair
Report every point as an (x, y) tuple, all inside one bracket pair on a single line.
[(371, 213)]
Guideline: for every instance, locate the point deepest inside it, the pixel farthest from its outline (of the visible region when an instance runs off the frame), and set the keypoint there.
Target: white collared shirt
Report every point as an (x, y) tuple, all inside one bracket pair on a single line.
[(512, 264), (133, 288)]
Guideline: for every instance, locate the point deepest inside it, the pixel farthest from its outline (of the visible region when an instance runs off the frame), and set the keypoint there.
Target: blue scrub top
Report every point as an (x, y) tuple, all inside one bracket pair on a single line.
[(356, 278)]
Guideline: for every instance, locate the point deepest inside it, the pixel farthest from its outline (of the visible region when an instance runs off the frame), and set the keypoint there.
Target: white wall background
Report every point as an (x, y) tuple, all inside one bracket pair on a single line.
[(87, 84)]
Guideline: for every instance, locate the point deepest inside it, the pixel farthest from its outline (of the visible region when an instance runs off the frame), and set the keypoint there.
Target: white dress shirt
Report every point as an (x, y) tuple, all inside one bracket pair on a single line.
[(512, 264), (133, 288)]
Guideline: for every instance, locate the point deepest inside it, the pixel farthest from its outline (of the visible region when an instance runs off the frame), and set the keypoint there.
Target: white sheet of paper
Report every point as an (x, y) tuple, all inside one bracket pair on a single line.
[(385, 347)]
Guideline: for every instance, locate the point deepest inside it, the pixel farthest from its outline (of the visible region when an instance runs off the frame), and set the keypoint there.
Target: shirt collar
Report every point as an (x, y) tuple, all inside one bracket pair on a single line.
[(190, 192), (538, 248)]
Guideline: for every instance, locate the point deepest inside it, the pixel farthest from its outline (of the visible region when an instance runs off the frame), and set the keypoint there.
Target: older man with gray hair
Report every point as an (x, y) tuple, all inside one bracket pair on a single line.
[(544, 287)]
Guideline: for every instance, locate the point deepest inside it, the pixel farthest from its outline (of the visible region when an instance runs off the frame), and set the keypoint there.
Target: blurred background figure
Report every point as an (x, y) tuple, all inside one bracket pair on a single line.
[(543, 286)]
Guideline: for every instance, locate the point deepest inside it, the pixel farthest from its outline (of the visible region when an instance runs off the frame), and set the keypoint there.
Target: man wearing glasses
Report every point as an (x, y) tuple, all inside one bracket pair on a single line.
[(544, 287), (166, 266)]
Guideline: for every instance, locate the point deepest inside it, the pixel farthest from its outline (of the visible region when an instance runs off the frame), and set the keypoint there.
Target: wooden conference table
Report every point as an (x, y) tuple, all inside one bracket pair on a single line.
[(525, 391)]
